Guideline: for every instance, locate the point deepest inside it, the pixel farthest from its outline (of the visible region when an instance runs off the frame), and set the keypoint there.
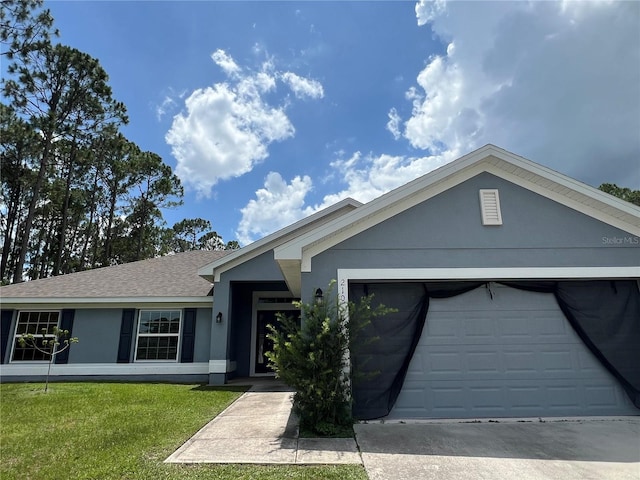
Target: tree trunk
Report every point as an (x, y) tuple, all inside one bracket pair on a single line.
[(9, 236), (24, 244)]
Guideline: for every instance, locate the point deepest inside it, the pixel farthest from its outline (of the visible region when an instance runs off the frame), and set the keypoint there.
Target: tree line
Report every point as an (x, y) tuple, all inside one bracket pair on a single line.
[(75, 192)]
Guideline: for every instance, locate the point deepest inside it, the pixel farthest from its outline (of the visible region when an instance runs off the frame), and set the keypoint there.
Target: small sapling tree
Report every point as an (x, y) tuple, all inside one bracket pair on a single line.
[(49, 344)]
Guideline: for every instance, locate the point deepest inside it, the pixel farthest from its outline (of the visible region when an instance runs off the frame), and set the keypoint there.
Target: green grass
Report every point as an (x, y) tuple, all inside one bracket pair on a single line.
[(121, 431)]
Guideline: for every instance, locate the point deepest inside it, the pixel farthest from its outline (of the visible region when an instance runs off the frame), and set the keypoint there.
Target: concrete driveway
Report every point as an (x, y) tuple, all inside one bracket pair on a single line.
[(558, 450)]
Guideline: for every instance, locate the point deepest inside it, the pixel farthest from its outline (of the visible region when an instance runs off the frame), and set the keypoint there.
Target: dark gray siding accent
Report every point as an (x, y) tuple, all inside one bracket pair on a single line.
[(242, 314), (5, 333), (98, 332), (188, 335), (66, 323), (203, 335), (126, 335)]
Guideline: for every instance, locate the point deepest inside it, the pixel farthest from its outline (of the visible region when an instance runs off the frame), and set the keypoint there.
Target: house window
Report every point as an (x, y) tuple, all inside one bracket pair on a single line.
[(158, 335), (34, 323)]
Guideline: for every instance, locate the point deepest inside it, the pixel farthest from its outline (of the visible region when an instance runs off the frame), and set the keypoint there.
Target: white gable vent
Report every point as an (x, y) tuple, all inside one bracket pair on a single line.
[(490, 207)]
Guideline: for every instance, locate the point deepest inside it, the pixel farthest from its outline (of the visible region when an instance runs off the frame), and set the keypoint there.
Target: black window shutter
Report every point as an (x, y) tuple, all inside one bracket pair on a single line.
[(126, 334), (66, 323), (188, 335), (5, 327)]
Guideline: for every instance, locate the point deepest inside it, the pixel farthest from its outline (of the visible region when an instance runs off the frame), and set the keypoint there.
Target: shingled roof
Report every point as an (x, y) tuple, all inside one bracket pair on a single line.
[(170, 276)]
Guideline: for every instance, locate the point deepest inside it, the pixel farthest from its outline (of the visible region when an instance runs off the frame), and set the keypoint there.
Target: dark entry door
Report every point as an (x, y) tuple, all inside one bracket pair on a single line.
[(263, 344)]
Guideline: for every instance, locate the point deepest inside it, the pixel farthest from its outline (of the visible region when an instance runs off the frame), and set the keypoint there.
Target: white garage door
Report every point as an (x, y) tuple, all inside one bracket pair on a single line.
[(511, 356)]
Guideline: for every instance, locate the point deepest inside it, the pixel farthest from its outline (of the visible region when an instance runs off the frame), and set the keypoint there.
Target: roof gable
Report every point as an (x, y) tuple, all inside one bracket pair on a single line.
[(214, 269), (491, 159)]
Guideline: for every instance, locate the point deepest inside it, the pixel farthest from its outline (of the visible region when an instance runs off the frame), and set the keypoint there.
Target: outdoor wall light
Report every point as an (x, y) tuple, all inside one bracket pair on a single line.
[(319, 296), (219, 317)]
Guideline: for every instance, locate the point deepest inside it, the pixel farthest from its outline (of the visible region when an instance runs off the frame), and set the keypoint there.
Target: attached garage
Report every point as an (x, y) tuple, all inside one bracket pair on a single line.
[(477, 349), (498, 351)]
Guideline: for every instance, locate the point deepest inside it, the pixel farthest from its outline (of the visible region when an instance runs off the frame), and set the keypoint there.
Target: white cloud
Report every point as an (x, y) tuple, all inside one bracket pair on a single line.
[(222, 135), (276, 205), (227, 128), (427, 10), (166, 106), (303, 87), (556, 82), (369, 176), (365, 177), (225, 62), (393, 125)]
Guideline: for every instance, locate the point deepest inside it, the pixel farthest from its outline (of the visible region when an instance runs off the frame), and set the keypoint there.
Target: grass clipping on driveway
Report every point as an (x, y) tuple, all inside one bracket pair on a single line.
[(119, 431)]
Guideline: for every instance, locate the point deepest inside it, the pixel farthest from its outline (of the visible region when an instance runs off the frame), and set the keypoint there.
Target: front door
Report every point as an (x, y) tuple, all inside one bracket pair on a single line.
[(266, 306), (263, 344)]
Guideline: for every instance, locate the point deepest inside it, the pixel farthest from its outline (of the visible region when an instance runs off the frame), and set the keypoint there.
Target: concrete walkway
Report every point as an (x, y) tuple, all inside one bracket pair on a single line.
[(260, 428)]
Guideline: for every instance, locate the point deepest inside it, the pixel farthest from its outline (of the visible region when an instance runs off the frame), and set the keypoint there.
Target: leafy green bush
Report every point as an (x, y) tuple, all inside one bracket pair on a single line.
[(313, 358)]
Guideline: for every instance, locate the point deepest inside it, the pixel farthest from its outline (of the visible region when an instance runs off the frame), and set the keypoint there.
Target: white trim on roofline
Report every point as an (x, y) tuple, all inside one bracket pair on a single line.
[(266, 244), (486, 159), (85, 369), (107, 302)]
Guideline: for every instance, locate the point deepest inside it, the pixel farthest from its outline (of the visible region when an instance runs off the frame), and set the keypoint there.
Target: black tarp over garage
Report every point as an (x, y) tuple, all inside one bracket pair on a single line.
[(478, 349)]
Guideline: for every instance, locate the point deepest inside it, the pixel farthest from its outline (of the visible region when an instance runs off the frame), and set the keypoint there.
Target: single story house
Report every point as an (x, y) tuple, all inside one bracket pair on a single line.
[(516, 289)]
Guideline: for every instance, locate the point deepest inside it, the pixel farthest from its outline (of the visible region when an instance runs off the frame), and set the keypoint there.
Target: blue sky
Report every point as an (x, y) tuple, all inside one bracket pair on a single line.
[(269, 111)]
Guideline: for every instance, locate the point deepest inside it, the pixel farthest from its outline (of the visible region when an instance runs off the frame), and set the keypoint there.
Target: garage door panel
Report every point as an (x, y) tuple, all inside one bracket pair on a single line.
[(489, 362), (513, 355), (587, 362), (514, 398), (486, 328)]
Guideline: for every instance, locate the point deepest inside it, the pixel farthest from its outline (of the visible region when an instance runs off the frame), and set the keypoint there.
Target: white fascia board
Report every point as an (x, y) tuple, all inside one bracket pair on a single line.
[(501, 273), (83, 369), (111, 302), (213, 270), (573, 184)]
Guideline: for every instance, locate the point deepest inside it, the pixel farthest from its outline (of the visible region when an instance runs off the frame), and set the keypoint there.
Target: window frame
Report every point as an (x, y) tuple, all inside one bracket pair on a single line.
[(178, 335), (14, 338)]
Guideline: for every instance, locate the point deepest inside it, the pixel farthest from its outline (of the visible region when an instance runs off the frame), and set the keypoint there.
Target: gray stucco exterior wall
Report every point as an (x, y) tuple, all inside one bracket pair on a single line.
[(447, 231), (204, 319), (98, 332), (233, 296)]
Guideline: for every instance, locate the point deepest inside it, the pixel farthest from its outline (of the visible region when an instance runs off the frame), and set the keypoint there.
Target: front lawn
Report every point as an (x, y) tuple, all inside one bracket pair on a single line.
[(120, 431)]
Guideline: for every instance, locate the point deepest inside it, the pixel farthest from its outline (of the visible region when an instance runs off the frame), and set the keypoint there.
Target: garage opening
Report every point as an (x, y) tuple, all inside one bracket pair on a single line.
[(478, 349)]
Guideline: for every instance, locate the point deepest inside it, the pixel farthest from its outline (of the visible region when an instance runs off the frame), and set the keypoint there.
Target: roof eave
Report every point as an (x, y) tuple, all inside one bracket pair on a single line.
[(97, 302)]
